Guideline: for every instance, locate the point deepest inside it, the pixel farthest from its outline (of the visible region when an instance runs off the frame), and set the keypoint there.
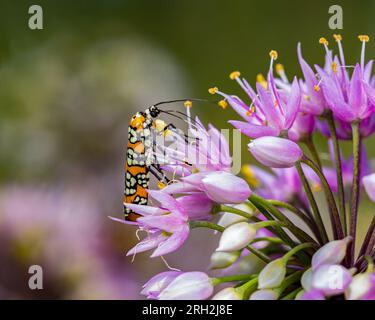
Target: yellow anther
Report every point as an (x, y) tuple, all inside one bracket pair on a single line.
[(316, 187), (223, 104), (273, 54), (260, 79), (275, 103), (279, 68), (334, 67), (188, 104), (250, 111), (249, 175), (306, 97), (316, 88), (324, 41), (161, 185), (234, 75), (337, 37), (213, 90), (364, 38)]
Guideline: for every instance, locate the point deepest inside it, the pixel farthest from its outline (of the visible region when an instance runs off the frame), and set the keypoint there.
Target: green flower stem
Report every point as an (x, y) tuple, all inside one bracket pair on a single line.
[(247, 288), (305, 209), (369, 241), (311, 146), (314, 206), (238, 212), (243, 277), (214, 226), (268, 239), (272, 223), (292, 295), (290, 280), (340, 183), (370, 264), (206, 224), (279, 231), (295, 250), (338, 232), (300, 234), (355, 188), (259, 254), (298, 213)]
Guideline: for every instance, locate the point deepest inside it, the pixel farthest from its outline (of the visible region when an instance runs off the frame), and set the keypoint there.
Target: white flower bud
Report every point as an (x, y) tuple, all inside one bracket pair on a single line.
[(331, 279), (237, 236), (331, 253), (227, 294), (306, 279), (220, 260), (188, 286), (361, 287), (264, 295), (272, 274), (228, 219)]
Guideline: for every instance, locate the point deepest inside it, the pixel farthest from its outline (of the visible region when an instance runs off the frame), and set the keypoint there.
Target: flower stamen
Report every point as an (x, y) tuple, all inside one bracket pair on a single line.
[(261, 80), (281, 72), (364, 39), (234, 75), (223, 104), (213, 90), (274, 55), (188, 104)]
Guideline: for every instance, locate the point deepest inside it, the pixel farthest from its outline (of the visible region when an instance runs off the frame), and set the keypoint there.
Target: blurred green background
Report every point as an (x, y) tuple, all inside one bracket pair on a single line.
[(67, 91)]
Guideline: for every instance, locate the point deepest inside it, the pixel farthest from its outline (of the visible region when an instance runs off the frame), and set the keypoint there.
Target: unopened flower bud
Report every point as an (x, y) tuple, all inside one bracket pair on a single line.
[(156, 284), (237, 237), (188, 286), (306, 279), (369, 183), (227, 294), (224, 187), (312, 294), (266, 294), (275, 152), (331, 279), (228, 219), (331, 253), (272, 274), (362, 287), (220, 260)]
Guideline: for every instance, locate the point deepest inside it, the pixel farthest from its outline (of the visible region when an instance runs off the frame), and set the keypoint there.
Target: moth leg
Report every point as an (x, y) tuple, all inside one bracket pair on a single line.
[(158, 173)]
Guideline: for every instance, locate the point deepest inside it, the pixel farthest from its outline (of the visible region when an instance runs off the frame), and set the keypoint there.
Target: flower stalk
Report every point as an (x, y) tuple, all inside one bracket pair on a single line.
[(313, 204), (355, 187), (338, 232), (213, 226), (338, 165)]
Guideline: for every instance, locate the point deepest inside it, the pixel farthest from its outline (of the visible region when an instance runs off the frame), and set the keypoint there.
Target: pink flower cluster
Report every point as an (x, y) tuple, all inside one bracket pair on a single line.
[(279, 240)]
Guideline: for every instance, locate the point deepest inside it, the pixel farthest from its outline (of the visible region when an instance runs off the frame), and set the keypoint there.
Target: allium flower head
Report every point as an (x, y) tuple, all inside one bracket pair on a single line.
[(270, 112), (350, 98), (285, 231)]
